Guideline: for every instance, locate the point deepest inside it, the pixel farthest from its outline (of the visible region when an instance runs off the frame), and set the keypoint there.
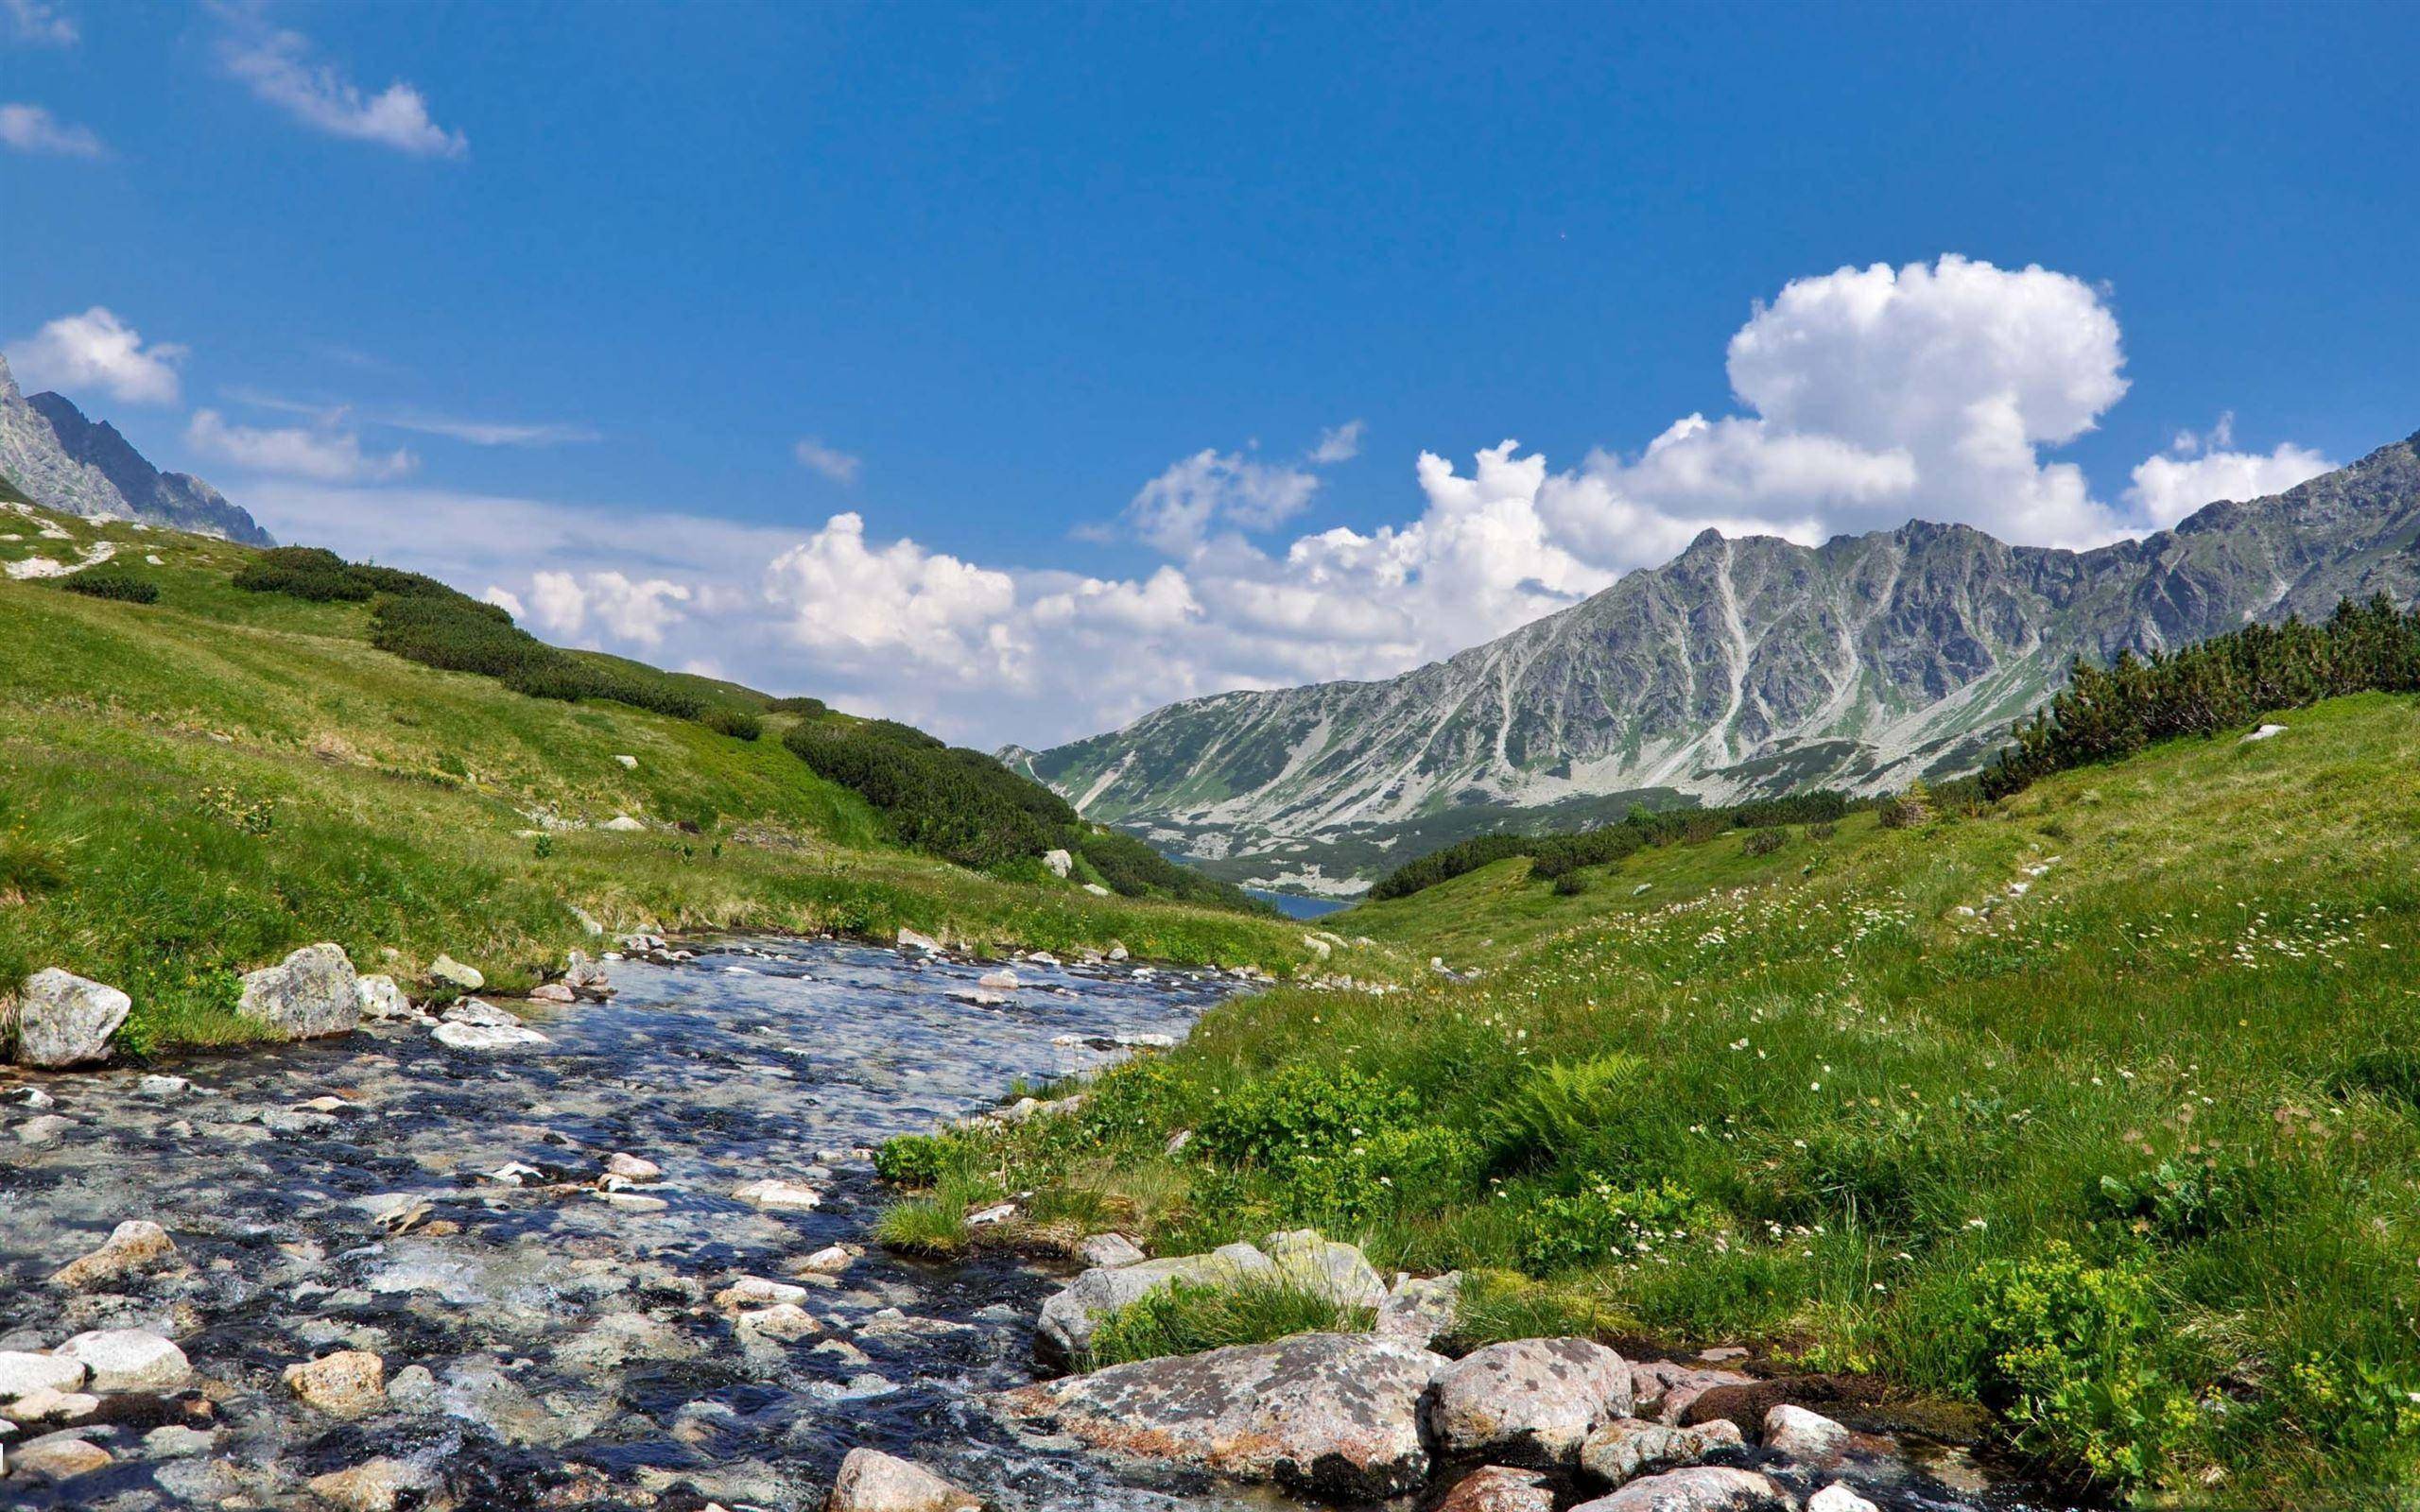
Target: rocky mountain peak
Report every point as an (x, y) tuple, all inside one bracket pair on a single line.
[(1741, 668), (66, 460)]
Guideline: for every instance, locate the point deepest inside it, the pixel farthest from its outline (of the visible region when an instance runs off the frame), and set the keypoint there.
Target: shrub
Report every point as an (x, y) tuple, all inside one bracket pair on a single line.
[(725, 719), (1763, 842), (811, 707), (958, 805), (2068, 1353), (913, 1159), (1571, 885), (1604, 1223), (1911, 810), (2214, 685), (111, 581), (1129, 866), (1187, 1317), (322, 577), (1302, 1110)]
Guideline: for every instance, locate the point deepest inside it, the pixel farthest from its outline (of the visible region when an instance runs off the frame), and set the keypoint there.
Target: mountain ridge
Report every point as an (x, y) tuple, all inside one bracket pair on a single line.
[(65, 460), (1743, 668)]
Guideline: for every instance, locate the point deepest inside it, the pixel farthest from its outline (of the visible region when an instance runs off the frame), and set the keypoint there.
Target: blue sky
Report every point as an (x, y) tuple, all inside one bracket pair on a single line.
[(548, 298)]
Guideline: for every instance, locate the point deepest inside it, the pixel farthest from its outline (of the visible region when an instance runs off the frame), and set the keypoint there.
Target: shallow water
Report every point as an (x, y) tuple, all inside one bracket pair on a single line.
[(575, 1357)]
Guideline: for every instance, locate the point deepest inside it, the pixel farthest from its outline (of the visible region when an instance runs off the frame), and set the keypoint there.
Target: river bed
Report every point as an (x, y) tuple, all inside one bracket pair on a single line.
[(573, 1353)]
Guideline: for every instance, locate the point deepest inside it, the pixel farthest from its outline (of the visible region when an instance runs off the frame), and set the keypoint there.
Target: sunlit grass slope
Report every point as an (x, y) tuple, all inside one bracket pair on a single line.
[(2098, 1107), (190, 787)]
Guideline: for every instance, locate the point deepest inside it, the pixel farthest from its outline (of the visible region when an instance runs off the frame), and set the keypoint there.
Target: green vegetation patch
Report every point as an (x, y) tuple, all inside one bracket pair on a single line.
[(1187, 1318)]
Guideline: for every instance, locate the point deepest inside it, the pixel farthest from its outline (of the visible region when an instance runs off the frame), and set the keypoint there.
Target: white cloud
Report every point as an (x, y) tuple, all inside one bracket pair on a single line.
[(634, 613), (487, 432), (1212, 491), (97, 350), (504, 599), (40, 23), (323, 454), (840, 466), (2167, 489), (1338, 443), (278, 67), (873, 609), (1867, 397), (32, 130)]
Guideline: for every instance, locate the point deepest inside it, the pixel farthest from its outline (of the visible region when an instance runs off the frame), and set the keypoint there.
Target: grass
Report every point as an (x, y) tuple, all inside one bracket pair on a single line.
[(2093, 1106), (1187, 1318), (190, 788)]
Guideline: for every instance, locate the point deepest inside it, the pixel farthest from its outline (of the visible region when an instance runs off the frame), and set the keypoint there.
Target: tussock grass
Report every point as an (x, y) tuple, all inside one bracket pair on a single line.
[(1187, 1318)]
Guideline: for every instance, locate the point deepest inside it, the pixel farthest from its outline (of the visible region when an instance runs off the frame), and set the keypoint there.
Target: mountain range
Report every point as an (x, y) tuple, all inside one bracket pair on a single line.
[(64, 461), (1744, 667)]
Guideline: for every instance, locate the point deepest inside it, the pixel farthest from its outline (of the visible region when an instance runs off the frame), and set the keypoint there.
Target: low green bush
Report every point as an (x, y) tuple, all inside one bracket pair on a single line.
[(1603, 1222), (111, 581), (2068, 1353), (739, 724)]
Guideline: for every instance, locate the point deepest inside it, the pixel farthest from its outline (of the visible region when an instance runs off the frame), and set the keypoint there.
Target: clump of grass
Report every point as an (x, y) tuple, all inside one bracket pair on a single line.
[(1188, 1318), (926, 1226)]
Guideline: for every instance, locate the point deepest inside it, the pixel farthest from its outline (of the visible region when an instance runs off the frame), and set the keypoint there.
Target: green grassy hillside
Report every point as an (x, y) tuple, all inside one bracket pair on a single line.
[(192, 787), (2098, 1106)]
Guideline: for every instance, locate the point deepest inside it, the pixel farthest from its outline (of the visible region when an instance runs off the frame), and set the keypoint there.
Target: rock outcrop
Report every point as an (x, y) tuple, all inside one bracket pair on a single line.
[(874, 1482), (64, 461), (1331, 1415)]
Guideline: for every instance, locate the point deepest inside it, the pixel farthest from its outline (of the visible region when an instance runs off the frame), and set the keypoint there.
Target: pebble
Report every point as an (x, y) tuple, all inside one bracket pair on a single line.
[(778, 1195), (131, 1245), (60, 1458), (347, 1383)]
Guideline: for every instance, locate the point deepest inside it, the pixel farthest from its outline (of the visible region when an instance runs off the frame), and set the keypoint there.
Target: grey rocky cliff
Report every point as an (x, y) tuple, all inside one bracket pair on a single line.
[(63, 460), (1743, 668)]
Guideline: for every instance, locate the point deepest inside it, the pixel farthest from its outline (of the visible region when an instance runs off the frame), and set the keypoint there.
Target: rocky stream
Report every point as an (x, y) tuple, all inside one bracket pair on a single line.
[(629, 1265)]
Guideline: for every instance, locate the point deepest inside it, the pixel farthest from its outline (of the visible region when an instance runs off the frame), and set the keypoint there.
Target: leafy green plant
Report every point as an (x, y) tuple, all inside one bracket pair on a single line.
[(2068, 1352), (1560, 1105), (1604, 1223), (2180, 1199), (1188, 1318)]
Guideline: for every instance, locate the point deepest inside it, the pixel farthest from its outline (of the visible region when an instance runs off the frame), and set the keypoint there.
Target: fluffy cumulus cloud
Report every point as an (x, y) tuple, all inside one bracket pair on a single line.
[(1865, 397), (278, 65), (325, 455), (33, 130), (2203, 467), (95, 352)]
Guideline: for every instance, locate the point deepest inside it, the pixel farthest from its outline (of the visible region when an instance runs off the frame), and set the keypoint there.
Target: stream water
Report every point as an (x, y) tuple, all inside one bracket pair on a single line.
[(546, 1345)]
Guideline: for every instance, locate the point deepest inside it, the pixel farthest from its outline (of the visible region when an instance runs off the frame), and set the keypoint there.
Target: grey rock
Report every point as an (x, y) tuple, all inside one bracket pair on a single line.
[(59, 1458), (132, 1246), (1333, 1415), (381, 999), (1627, 1447), (1110, 1251), (1838, 1497), (1325, 1267), (1808, 1438), (1532, 1401), (874, 1482), (460, 1036), (1701, 1488), (1500, 1488), (454, 974), (64, 1020), (1418, 1308), (310, 994), (128, 1360), (23, 1373)]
